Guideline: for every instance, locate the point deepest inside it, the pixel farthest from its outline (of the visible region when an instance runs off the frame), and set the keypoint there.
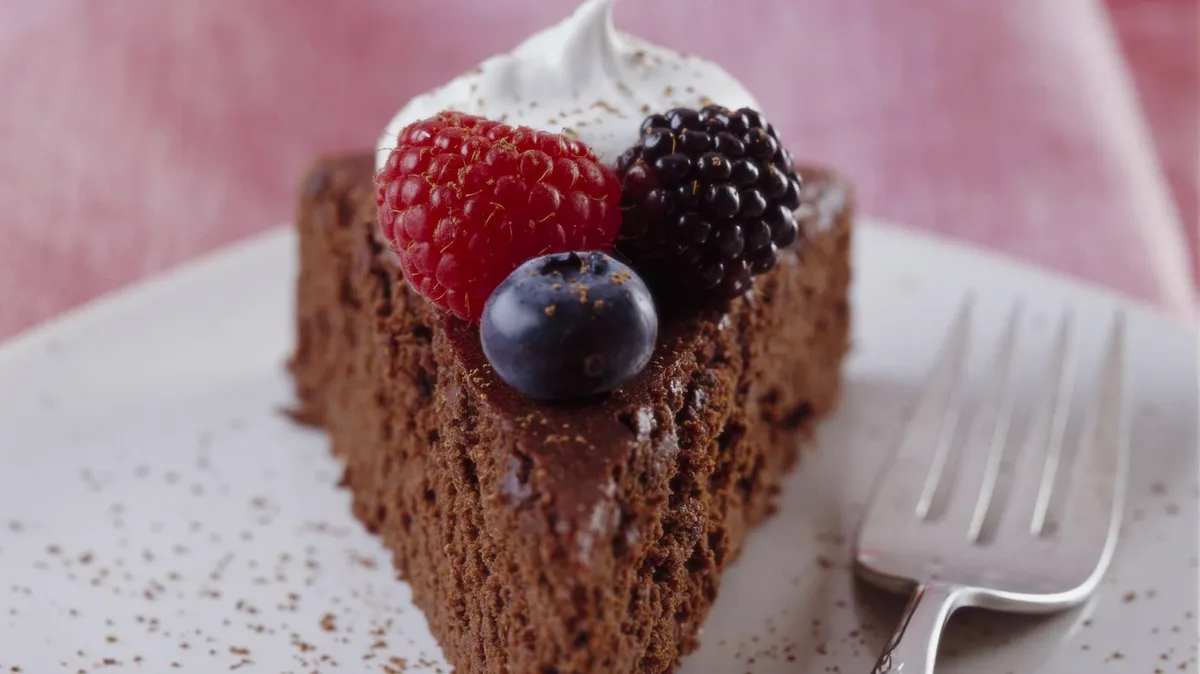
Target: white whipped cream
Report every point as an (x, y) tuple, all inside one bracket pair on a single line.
[(581, 77)]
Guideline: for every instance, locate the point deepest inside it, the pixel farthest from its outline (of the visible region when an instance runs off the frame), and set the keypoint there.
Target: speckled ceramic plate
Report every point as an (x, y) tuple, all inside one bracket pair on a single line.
[(159, 513)]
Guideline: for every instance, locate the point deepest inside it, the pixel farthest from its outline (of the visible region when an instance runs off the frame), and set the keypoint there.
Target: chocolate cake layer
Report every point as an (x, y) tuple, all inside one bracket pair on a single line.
[(561, 538)]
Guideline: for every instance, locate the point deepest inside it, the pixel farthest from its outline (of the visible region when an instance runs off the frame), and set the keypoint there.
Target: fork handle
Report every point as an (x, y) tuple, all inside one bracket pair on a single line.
[(913, 646)]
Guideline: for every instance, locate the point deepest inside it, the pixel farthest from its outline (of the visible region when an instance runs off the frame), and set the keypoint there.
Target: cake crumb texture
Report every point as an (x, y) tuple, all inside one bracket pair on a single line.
[(569, 538)]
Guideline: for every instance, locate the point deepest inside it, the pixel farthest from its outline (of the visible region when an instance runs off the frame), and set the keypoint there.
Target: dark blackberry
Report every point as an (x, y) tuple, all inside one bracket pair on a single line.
[(708, 198)]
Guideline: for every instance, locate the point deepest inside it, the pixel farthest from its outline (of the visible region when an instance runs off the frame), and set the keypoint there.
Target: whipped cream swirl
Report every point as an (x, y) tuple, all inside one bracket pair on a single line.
[(583, 78)]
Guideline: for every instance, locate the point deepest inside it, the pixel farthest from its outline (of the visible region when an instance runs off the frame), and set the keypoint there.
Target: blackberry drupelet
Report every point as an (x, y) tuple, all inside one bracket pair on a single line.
[(707, 201)]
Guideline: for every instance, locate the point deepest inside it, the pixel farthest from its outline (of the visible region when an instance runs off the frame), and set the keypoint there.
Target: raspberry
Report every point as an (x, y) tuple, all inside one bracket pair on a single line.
[(463, 201), (708, 198)]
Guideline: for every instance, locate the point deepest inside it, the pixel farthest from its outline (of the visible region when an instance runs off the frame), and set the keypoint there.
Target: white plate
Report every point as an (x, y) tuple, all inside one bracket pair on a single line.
[(157, 509)]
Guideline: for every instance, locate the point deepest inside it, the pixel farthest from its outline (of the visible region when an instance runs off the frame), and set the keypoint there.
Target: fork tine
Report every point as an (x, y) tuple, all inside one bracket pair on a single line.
[(1101, 466), (1034, 472), (899, 486), (983, 447), (1058, 427)]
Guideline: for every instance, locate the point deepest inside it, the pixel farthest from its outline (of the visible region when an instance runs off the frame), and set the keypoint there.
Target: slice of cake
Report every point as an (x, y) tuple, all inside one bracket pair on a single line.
[(566, 363), (561, 538)]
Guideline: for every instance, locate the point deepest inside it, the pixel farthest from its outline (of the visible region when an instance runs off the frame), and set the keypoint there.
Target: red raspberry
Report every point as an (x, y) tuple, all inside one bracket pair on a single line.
[(465, 200)]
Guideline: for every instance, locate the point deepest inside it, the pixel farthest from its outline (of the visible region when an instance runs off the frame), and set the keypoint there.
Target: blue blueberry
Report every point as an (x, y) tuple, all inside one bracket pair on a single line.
[(569, 325)]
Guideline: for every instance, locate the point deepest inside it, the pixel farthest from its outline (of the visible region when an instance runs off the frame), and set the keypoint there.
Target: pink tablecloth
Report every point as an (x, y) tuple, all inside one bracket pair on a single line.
[(135, 134)]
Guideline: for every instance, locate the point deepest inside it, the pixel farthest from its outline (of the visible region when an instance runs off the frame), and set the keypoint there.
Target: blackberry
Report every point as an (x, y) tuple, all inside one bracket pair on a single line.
[(707, 200)]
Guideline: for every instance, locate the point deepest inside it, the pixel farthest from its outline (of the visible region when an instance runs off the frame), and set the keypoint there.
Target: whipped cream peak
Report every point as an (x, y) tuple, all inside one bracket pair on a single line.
[(581, 77)]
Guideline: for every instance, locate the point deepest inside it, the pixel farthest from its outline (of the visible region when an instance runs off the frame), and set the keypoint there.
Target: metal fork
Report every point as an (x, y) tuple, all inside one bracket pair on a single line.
[(936, 525)]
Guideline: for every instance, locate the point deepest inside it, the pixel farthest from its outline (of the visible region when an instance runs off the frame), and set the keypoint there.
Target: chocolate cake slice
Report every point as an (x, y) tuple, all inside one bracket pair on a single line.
[(564, 538)]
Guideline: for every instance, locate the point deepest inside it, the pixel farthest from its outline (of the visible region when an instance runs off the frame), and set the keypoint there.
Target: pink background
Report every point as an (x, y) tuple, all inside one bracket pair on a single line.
[(136, 134)]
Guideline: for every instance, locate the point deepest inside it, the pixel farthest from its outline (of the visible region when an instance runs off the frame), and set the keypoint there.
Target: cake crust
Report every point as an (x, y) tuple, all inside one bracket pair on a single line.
[(568, 538)]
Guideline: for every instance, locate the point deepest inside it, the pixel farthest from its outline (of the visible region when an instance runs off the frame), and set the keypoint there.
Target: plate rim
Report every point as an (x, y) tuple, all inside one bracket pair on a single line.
[(116, 300)]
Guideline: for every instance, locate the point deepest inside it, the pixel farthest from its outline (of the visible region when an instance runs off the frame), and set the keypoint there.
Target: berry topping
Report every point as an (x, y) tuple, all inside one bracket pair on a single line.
[(569, 325), (464, 200), (708, 198)]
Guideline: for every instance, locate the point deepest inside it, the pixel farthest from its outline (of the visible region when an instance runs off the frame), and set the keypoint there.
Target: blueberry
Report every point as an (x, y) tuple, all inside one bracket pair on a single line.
[(569, 325)]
